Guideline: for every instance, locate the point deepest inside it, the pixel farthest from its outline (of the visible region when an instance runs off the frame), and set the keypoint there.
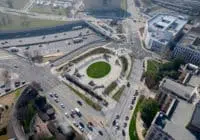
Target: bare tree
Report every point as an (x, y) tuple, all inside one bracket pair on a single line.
[(6, 76), (37, 56), (28, 55)]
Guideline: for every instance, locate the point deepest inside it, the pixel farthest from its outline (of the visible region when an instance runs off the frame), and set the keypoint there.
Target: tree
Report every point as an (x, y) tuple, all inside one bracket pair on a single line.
[(40, 101), (37, 56), (148, 110), (35, 85), (6, 76), (6, 107), (10, 3)]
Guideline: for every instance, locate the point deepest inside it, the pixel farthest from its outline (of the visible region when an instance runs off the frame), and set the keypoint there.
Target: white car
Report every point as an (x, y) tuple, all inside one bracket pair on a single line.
[(66, 114), (62, 105)]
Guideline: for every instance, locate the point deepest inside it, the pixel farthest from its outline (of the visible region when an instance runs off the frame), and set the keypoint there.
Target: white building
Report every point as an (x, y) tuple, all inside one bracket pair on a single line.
[(102, 4), (189, 47), (162, 30)]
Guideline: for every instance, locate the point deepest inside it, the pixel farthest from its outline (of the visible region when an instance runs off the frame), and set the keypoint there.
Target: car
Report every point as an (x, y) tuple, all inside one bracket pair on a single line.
[(89, 127), (80, 103), (136, 93), (100, 133), (81, 128), (3, 86), (7, 90), (90, 123), (72, 115), (131, 107), (81, 124), (23, 82), (117, 116), (117, 127), (56, 100), (125, 125), (51, 94), (114, 123), (134, 98), (66, 115), (132, 102), (126, 118), (17, 84), (128, 84), (62, 105), (15, 66), (55, 95), (123, 132)]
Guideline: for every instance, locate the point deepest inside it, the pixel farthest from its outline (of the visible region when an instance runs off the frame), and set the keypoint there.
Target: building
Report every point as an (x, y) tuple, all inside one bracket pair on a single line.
[(180, 108), (189, 7), (162, 31), (189, 47), (102, 4), (168, 86), (156, 133), (194, 124), (174, 126)]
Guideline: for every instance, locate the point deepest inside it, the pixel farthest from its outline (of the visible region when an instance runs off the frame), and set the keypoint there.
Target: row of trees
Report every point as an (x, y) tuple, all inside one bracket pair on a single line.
[(148, 110)]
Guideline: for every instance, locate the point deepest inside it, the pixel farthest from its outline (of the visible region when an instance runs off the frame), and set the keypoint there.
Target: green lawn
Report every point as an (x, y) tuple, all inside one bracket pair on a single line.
[(11, 22), (152, 66), (31, 113), (98, 69), (48, 10), (132, 128), (118, 94), (16, 4)]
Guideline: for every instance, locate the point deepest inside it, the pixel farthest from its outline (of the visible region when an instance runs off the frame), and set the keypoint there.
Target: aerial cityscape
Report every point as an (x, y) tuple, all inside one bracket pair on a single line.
[(99, 69)]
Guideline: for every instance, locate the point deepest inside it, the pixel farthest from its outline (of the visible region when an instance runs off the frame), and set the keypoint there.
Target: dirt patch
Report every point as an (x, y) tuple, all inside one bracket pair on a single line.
[(7, 103)]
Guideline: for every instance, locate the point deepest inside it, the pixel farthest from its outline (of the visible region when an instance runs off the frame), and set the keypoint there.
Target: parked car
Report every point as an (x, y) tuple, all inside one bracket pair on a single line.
[(100, 132), (80, 103)]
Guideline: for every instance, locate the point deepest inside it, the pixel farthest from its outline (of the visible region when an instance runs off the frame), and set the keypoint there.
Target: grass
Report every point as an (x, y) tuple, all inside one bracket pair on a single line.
[(132, 127), (86, 99), (152, 66), (110, 88), (13, 22), (17, 4), (118, 94), (98, 69), (31, 113), (17, 92), (48, 10)]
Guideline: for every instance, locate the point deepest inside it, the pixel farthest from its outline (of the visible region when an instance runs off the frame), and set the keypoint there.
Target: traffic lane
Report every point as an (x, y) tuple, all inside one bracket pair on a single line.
[(77, 52), (63, 46), (68, 107), (45, 38)]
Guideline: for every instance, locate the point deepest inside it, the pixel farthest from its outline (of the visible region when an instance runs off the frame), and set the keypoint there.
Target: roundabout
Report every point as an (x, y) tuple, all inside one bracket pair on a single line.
[(98, 69)]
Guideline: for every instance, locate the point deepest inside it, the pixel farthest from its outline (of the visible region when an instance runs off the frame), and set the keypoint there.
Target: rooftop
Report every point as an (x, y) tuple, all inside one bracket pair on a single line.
[(176, 126), (195, 121), (191, 39), (180, 90), (165, 22), (164, 27)]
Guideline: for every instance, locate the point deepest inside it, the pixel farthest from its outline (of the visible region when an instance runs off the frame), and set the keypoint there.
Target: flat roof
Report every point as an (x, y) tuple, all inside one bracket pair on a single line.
[(166, 22), (178, 89), (191, 39), (176, 126)]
